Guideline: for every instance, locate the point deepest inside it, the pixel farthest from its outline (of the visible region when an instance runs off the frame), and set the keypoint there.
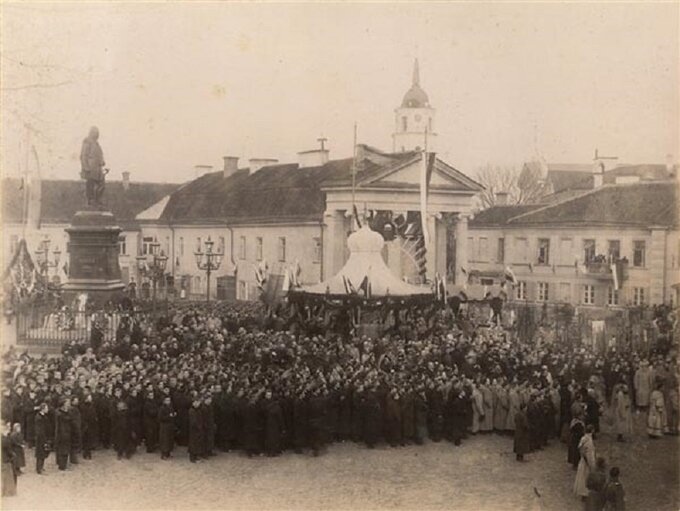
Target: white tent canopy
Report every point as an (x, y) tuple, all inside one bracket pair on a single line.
[(365, 260)]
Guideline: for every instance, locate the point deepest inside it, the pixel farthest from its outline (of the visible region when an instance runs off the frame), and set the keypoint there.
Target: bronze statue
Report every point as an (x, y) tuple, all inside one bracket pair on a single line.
[(93, 171)]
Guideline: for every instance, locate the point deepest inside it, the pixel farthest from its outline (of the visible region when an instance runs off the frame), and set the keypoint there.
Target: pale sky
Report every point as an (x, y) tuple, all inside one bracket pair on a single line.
[(172, 85)]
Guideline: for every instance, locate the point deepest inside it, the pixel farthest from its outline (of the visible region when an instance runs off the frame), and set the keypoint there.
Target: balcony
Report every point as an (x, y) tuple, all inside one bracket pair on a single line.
[(601, 268)]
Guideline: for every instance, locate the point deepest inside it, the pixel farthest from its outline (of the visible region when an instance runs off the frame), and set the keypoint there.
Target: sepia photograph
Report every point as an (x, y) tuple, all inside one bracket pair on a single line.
[(291, 256)]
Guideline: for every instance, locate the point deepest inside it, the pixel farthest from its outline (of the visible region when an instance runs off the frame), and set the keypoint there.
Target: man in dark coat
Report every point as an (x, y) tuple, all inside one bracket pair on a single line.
[(135, 405), (196, 431), (41, 438), (459, 416), (317, 416), (521, 441), (150, 422), (76, 430), (166, 431), (121, 431), (393, 418), (63, 435), (273, 425), (103, 408), (420, 414), (90, 432), (408, 417), (372, 416), (30, 408), (209, 426), (300, 424)]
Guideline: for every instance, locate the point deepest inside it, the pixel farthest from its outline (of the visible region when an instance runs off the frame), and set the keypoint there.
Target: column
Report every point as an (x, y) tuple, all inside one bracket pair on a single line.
[(461, 249), (334, 241), (431, 248)]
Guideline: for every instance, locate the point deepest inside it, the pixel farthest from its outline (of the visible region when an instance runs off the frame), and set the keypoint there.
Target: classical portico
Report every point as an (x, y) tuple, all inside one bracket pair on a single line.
[(391, 185)]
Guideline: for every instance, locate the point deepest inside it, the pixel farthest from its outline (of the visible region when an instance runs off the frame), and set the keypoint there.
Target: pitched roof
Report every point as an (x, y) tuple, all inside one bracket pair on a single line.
[(500, 215), (570, 180), (639, 205), (62, 198), (280, 193), (277, 192)]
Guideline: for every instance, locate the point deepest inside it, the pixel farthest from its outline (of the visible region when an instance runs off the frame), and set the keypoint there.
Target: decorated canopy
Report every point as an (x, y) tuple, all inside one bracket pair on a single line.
[(365, 274)]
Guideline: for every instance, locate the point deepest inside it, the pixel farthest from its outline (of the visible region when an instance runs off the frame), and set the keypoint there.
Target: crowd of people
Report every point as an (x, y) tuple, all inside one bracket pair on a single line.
[(213, 380)]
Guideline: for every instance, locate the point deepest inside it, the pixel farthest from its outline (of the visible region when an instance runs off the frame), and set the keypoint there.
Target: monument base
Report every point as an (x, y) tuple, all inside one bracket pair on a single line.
[(93, 259)]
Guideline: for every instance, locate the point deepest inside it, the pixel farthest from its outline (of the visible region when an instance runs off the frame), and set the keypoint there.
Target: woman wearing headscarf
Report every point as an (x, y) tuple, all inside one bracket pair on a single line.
[(586, 464)]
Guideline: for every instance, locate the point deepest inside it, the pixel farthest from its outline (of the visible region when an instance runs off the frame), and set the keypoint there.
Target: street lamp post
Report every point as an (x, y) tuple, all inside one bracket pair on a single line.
[(208, 262), (152, 266), (42, 256)]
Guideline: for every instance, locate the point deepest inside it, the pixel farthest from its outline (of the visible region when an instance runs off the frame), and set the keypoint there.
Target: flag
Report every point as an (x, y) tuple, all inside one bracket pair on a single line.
[(349, 288), (285, 287), (356, 216), (427, 163), (615, 275), (295, 276), (510, 276), (366, 287)]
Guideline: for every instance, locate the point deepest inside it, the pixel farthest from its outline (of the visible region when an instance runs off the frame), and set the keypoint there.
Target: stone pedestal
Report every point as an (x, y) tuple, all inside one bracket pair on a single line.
[(93, 258)]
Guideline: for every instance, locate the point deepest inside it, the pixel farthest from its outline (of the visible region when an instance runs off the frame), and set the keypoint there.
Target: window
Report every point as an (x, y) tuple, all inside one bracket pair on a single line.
[(565, 292), (181, 246), (639, 254), (543, 291), (588, 294), (566, 254), (486, 282), (242, 248), (404, 123), (521, 290), (588, 251), (242, 293), (612, 296), (522, 250), (638, 296), (146, 244), (483, 249), (220, 244), (500, 250), (317, 250), (258, 248), (197, 284), (199, 248), (543, 251), (282, 249), (122, 245), (614, 250)]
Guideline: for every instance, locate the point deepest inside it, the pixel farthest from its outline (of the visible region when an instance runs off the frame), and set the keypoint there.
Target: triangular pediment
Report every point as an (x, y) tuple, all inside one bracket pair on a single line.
[(407, 174)]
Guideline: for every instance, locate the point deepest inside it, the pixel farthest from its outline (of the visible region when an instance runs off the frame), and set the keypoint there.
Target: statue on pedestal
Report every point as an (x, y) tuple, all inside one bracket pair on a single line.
[(92, 168)]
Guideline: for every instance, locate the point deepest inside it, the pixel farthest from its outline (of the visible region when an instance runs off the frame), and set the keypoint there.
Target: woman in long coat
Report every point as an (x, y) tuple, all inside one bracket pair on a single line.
[(477, 409), (514, 401), (656, 420), (166, 428), (521, 441), (586, 448), (17, 444), (486, 424), (577, 429), (623, 417)]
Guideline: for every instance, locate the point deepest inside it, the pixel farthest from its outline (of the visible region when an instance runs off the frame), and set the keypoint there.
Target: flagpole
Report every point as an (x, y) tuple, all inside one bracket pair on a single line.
[(354, 172)]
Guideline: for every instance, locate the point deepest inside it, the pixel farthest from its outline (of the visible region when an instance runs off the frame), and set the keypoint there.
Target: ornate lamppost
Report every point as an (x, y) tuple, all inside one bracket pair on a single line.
[(208, 262), (152, 266), (42, 257)]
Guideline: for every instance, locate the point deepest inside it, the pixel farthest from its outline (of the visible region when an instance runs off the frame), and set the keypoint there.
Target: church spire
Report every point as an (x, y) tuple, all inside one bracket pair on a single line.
[(416, 73)]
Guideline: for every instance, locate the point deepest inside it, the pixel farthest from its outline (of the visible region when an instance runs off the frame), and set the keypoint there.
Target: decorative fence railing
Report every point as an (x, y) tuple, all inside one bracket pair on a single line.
[(49, 326)]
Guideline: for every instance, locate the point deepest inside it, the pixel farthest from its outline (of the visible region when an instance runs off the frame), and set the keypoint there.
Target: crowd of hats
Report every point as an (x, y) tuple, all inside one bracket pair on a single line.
[(205, 352)]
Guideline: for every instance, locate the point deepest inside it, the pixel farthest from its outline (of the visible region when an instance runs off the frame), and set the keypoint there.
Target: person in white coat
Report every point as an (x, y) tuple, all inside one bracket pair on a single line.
[(586, 448), (623, 414)]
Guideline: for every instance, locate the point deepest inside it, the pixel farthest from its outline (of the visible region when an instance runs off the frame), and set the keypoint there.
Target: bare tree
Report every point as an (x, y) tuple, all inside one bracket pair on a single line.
[(523, 186)]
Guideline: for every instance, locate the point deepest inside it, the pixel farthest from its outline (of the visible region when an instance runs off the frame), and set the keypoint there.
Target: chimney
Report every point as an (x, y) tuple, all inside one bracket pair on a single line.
[(200, 170), (255, 164), (126, 180), (315, 157), (670, 166), (598, 175), (230, 165), (502, 198)]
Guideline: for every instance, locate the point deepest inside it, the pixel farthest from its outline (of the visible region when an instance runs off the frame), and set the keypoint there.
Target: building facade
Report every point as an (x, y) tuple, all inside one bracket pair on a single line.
[(613, 246)]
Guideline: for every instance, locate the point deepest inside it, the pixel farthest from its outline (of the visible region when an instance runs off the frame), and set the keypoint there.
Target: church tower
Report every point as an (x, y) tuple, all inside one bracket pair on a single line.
[(413, 119)]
